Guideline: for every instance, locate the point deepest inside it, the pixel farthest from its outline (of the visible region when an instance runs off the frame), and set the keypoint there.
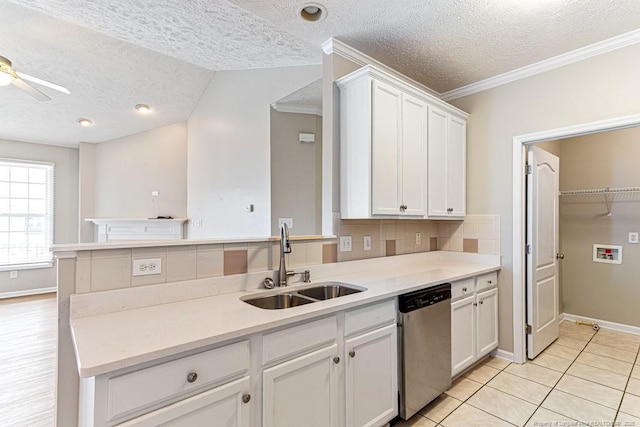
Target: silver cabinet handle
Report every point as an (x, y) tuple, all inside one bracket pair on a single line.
[(352, 353), (192, 377), (246, 398), (336, 360)]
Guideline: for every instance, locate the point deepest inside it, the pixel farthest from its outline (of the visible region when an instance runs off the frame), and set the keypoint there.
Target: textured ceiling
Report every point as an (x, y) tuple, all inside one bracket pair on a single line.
[(446, 44), (113, 54)]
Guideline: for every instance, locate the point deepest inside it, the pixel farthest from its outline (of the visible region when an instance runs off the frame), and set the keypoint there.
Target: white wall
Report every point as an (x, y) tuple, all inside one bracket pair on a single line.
[(228, 150), (296, 172), (65, 206), (126, 170), (598, 88)]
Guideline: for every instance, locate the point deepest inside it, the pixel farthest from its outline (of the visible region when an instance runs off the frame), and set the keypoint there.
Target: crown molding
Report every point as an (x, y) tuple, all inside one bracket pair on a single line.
[(580, 54), (334, 46), (283, 107)]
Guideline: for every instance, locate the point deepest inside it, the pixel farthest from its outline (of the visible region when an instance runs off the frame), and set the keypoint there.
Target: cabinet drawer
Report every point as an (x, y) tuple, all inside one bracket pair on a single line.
[(462, 288), (144, 388), (370, 317), (291, 341), (487, 281)]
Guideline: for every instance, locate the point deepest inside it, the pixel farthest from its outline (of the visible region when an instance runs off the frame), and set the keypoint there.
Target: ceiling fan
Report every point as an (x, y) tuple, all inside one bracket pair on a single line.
[(9, 76)]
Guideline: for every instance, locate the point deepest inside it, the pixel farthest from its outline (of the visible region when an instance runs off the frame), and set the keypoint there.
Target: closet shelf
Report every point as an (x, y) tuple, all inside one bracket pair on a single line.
[(602, 195)]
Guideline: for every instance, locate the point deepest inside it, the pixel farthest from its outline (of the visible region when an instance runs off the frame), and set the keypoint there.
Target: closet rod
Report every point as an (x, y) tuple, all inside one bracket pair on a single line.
[(607, 190)]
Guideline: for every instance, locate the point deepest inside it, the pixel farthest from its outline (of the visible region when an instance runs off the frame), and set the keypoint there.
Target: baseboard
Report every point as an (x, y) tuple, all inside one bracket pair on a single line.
[(28, 292), (603, 323), (502, 354)]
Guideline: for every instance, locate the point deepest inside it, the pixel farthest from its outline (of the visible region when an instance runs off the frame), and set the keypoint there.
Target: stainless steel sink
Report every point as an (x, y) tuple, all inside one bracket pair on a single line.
[(278, 301), (329, 290), (295, 297)]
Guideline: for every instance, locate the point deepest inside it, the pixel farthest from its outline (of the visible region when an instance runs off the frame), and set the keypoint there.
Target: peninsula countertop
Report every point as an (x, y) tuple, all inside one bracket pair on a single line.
[(112, 340)]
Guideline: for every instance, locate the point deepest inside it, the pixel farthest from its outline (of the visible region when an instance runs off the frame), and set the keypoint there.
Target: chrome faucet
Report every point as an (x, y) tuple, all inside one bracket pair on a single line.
[(285, 248)]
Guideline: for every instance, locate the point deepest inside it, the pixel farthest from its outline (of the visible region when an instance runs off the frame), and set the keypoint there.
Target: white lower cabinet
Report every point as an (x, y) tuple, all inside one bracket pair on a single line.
[(224, 406), (302, 391), (371, 377), (474, 321), (336, 371)]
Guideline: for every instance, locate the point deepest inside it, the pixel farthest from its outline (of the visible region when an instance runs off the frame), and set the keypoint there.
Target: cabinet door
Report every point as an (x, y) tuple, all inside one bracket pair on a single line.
[(386, 134), (302, 391), (413, 152), (456, 167), (463, 334), (487, 318), (222, 406), (437, 162), (371, 377)]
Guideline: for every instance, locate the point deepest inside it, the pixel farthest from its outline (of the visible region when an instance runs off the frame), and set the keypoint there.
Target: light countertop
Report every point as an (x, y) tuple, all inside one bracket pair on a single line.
[(110, 341)]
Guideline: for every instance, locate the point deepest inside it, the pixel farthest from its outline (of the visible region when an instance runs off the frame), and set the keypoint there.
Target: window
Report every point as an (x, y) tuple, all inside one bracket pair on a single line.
[(26, 213)]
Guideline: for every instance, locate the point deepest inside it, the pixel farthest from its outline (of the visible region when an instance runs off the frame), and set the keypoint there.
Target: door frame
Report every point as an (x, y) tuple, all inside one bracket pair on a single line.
[(520, 144)]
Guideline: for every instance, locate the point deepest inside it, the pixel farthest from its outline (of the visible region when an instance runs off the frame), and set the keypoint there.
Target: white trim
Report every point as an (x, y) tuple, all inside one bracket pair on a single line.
[(519, 353), (283, 107), (334, 46), (28, 292), (604, 323), (502, 354), (558, 61), (34, 266)]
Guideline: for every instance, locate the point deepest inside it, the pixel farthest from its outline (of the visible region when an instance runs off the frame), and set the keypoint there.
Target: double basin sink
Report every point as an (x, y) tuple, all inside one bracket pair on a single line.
[(307, 295)]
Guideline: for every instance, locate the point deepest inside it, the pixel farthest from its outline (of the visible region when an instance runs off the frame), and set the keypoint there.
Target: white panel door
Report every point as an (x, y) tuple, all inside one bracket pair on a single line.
[(542, 265), (225, 406), (456, 167), (463, 334), (437, 162), (371, 377), (487, 321), (302, 391), (386, 134), (414, 155)]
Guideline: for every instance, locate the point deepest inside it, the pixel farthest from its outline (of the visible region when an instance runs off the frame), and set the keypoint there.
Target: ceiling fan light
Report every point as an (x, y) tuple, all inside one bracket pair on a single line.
[(5, 79), (84, 122)]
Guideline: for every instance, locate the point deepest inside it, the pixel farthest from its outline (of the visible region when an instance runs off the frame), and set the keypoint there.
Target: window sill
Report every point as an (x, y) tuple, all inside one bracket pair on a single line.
[(34, 266)]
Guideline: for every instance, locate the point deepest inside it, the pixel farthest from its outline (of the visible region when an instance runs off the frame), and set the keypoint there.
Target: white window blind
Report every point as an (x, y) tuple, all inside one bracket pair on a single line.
[(26, 213)]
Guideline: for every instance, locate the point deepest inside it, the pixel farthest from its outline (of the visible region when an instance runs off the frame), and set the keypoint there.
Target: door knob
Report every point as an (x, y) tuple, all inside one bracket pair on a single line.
[(559, 256)]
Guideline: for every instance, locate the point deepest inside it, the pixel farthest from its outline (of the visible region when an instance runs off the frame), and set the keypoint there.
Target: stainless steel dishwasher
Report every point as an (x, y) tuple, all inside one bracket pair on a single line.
[(425, 342)]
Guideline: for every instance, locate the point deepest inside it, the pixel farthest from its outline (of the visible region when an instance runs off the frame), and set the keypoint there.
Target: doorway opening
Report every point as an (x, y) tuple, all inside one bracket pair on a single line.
[(520, 147)]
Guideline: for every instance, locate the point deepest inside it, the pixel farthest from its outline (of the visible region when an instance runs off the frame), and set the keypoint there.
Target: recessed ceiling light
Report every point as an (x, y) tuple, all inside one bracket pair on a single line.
[(85, 122), (313, 12), (143, 108)]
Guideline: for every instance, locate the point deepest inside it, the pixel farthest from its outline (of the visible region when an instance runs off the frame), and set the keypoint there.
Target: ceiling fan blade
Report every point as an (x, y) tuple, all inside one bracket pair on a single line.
[(43, 83), (21, 84)]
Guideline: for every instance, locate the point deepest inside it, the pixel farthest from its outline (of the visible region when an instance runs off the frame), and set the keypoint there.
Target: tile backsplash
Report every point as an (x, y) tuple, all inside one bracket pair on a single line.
[(108, 269)]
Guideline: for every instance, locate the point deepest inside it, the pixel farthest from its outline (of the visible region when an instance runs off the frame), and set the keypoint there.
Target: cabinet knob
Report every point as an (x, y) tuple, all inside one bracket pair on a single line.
[(464, 289), (192, 377), (352, 353), (475, 304), (336, 360), (559, 256), (246, 398), (403, 208), (490, 282), (482, 302)]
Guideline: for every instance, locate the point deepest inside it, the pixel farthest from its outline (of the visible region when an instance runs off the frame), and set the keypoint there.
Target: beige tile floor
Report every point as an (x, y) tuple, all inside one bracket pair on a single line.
[(583, 378)]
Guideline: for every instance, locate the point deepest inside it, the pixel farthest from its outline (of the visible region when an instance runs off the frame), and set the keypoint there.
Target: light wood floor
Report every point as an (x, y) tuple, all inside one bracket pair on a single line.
[(27, 360)]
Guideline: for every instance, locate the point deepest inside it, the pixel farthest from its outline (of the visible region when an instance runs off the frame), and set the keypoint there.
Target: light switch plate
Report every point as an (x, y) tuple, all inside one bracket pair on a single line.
[(633, 237), (288, 221), (367, 243), (418, 239)]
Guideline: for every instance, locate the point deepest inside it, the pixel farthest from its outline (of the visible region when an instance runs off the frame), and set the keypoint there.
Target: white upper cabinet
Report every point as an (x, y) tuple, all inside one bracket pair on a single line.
[(385, 133), (447, 165)]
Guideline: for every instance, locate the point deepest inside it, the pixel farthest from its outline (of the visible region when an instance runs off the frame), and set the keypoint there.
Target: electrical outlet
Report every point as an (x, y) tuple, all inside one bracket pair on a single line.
[(367, 243), (288, 221), (418, 239), (146, 267), (633, 237), (345, 243), (199, 222), (13, 274)]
